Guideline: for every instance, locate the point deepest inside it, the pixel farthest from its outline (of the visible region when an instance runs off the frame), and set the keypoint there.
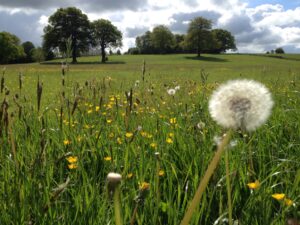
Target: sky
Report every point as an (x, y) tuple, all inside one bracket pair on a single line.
[(257, 25)]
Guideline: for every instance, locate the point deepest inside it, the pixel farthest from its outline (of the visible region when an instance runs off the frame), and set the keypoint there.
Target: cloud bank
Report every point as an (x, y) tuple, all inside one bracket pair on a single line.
[(256, 27)]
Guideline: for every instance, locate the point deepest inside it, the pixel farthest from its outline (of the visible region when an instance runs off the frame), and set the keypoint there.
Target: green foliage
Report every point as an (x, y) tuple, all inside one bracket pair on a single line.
[(106, 35), (162, 39), (38, 54), (11, 50), (224, 39), (68, 23), (279, 51), (28, 49), (144, 43), (199, 37)]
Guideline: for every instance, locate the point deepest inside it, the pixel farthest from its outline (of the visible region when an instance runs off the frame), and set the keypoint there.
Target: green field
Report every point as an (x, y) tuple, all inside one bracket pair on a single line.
[(90, 117)]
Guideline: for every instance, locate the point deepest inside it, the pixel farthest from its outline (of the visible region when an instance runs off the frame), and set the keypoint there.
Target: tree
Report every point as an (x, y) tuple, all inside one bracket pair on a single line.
[(106, 35), (144, 43), (199, 35), (28, 49), (162, 39), (11, 50), (179, 43), (279, 51), (38, 54), (68, 23), (224, 40)]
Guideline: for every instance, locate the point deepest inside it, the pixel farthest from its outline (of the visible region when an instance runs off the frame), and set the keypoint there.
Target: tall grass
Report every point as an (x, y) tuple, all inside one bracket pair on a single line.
[(161, 160)]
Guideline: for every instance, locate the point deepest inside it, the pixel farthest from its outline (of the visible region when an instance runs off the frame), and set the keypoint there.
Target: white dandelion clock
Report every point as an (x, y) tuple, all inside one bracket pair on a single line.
[(171, 91), (241, 104)]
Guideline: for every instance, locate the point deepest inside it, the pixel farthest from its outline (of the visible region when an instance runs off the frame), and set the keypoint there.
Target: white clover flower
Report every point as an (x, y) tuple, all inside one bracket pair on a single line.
[(244, 104), (177, 87), (171, 91)]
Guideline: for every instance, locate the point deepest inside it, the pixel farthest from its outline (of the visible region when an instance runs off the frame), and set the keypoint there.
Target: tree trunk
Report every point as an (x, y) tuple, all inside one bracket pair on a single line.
[(103, 54), (74, 60), (198, 52)]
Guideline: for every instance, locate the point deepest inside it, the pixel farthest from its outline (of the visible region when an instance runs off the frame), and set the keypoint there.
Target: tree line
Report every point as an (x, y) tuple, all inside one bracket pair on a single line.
[(69, 33), (13, 51), (200, 38)]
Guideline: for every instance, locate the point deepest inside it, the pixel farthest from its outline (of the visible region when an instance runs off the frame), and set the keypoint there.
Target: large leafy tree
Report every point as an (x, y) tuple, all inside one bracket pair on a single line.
[(199, 35), (10, 48), (162, 39), (224, 40), (68, 23), (106, 35), (28, 49), (144, 43)]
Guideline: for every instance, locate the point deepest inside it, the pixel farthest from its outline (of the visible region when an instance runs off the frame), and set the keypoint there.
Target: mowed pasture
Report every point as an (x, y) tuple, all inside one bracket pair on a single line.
[(113, 117)]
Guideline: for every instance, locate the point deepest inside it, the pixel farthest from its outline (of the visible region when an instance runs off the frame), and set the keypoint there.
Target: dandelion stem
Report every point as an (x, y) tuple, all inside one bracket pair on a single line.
[(228, 188), (117, 206), (209, 172)]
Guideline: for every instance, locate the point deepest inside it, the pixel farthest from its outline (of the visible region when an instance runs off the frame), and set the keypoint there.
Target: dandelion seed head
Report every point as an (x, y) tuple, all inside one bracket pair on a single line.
[(171, 91), (241, 104), (114, 177)]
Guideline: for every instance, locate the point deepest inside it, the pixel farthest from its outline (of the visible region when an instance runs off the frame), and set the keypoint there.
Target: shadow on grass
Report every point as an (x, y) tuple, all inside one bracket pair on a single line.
[(282, 57), (85, 63), (206, 58)]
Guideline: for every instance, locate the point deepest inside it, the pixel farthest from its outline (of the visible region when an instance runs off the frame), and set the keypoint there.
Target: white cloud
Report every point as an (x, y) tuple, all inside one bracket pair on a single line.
[(257, 29)]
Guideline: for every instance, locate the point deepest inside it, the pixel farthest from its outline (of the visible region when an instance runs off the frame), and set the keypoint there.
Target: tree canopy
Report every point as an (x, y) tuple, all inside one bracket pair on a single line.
[(106, 35), (68, 23), (162, 39), (11, 50), (224, 39), (199, 37), (28, 49)]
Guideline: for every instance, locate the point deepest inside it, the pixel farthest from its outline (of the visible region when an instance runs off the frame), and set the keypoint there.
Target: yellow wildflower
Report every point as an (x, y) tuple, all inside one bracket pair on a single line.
[(161, 173), (67, 142), (254, 185), (72, 166), (173, 121), (119, 140), (107, 158), (72, 159), (149, 136), (111, 135), (278, 196), (129, 175), (169, 140), (144, 186), (288, 202), (97, 108), (171, 135), (108, 121), (89, 111), (129, 134), (143, 133), (153, 145)]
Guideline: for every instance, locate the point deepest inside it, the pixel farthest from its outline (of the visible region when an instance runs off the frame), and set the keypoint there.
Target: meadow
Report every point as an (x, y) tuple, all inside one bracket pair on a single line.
[(60, 135)]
